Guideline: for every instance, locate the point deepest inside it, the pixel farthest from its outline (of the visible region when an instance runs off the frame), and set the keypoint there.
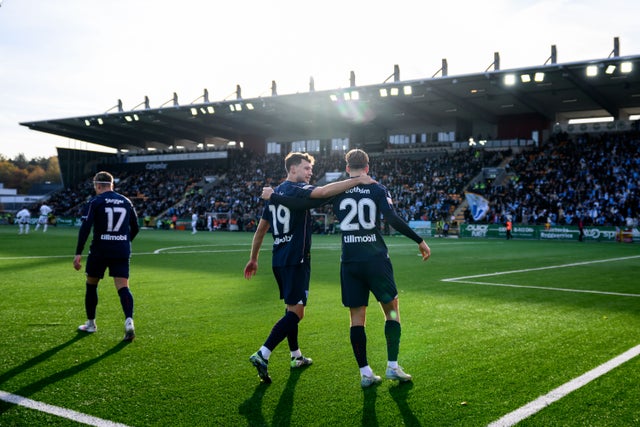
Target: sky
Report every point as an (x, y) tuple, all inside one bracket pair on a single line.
[(68, 58)]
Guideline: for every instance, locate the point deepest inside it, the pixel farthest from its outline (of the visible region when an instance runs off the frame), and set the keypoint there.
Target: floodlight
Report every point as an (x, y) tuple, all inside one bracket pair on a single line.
[(538, 77), (590, 120), (525, 78), (407, 90), (626, 67), (394, 91), (592, 71), (509, 79), (383, 92)]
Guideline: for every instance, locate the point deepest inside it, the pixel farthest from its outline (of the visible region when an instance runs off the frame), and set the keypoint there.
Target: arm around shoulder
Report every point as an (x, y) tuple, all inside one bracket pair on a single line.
[(334, 188)]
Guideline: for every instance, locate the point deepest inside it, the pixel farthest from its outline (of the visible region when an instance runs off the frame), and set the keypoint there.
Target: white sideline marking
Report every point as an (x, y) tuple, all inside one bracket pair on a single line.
[(545, 288), (56, 410), (499, 273), (540, 403)]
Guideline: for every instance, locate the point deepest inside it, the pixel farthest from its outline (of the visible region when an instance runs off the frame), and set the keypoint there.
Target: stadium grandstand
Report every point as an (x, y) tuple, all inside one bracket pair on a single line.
[(546, 145)]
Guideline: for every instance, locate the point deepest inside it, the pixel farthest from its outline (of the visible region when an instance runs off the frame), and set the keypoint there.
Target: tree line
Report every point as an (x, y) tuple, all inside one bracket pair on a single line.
[(21, 173)]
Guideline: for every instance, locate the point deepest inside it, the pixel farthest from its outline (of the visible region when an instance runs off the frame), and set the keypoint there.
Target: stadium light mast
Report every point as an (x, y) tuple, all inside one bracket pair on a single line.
[(204, 97), (395, 75), (554, 56), (173, 99), (118, 106), (496, 62), (616, 48), (444, 69)]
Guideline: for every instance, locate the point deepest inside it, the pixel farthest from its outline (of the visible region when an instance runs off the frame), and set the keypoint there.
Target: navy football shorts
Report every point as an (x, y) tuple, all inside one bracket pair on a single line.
[(293, 283), (357, 279), (97, 265)]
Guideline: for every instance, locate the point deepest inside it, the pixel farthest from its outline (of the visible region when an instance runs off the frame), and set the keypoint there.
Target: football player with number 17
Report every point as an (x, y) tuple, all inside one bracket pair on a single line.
[(115, 225)]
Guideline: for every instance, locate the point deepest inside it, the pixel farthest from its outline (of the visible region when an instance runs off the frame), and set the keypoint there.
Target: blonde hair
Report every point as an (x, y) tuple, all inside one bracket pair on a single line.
[(357, 159), (103, 177)]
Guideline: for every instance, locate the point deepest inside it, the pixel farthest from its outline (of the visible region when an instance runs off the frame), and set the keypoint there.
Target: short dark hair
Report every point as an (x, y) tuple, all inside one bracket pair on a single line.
[(356, 159), (295, 158)]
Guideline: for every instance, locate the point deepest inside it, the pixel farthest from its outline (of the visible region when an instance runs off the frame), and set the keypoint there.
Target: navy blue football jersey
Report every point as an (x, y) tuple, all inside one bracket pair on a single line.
[(359, 211), (114, 222), (291, 228)]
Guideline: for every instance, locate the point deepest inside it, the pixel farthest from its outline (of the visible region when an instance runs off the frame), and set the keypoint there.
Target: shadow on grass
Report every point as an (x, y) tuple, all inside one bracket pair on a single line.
[(399, 393), (284, 408), (251, 408), (4, 377), (369, 417), (30, 389)]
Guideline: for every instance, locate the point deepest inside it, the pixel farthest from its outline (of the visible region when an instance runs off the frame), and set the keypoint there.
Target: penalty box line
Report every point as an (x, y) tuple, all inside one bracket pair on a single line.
[(58, 411), (531, 408), (464, 279)]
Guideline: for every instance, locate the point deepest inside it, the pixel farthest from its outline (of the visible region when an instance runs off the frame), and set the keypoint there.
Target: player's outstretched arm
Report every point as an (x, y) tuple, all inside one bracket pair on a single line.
[(334, 188)]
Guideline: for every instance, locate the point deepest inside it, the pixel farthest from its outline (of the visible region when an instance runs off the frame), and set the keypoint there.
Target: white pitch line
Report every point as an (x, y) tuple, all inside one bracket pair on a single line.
[(550, 267), (545, 288), (58, 411), (542, 402)]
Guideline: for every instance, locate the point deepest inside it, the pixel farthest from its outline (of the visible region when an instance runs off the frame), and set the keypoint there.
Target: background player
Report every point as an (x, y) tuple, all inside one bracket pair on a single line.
[(43, 219), (115, 225), (291, 259), (23, 217)]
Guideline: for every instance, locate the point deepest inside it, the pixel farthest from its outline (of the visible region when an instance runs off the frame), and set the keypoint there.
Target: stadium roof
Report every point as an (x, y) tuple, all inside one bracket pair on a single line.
[(554, 92)]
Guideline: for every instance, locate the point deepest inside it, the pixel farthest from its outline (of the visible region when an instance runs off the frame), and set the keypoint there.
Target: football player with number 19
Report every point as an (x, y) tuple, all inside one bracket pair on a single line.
[(291, 259), (365, 265)]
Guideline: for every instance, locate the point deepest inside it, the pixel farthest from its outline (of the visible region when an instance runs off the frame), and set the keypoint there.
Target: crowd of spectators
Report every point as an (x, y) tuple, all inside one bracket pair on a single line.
[(590, 177)]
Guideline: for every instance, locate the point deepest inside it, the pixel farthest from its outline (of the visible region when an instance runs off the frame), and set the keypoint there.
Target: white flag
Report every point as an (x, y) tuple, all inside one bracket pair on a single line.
[(479, 205)]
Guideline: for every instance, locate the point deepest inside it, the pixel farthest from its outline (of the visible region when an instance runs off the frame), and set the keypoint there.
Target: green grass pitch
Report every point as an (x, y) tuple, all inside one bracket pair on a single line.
[(477, 351)]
